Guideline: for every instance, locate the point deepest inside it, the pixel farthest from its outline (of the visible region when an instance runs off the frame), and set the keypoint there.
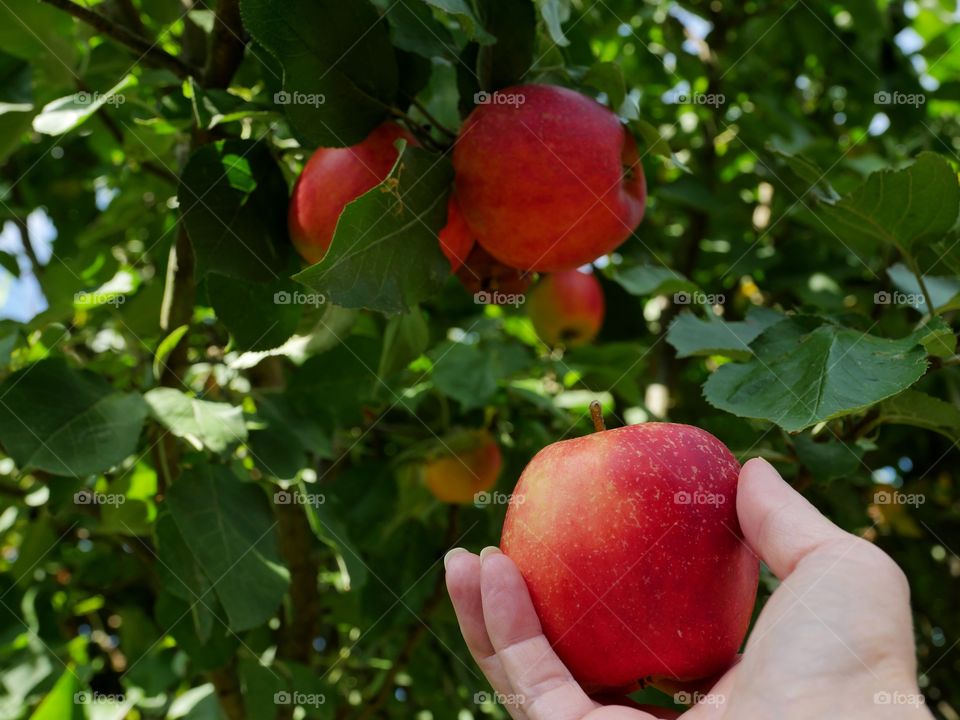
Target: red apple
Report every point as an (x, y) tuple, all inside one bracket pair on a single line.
[(492, 282), (567, 308), (548, 179), (334, 177), (469, 464), (456, 238), (629, 543)]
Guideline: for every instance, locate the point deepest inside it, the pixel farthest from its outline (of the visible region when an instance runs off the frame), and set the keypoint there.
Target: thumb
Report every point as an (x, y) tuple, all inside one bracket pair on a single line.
[(778, 523)]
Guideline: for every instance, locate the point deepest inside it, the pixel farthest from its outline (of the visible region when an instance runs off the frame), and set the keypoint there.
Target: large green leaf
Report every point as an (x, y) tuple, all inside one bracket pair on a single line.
[(921, 410), (67, 422), (462, 11), (230, 529), (213, 425), (652, 280), (339, 69), (804, 372), (234, 203), (901, 208), (465, 373), (385, 255), (692, 336)]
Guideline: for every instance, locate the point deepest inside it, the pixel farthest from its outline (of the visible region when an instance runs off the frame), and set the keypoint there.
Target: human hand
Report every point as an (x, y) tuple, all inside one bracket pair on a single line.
[(834, 640)]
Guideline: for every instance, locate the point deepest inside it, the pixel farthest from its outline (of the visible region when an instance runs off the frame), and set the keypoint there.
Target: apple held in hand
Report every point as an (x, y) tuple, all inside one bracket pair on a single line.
[(470, 464), (629, 543), (334, 177), (548, 179), (567, 308)]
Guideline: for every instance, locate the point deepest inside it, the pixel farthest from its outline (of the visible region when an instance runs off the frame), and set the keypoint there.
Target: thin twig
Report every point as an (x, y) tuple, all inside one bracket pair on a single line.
[(149, 51), (433, 121)]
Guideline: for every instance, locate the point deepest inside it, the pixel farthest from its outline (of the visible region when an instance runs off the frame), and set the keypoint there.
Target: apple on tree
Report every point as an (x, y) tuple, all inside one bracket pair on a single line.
[(548, 179), (469, 463), (629, 543), (567, 308)]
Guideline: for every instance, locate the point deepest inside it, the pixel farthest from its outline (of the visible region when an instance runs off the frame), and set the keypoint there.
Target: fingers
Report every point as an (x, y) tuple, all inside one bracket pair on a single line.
[(779, 524), (545, 687), (463, 585)]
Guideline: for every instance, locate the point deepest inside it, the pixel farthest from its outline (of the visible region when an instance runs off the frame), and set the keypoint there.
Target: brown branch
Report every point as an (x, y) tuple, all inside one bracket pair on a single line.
[(413, 639), (227, 44), (147, 50)]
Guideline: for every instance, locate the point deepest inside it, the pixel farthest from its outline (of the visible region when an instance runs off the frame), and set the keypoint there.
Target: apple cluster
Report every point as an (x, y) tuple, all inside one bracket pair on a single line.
[(547, 180)]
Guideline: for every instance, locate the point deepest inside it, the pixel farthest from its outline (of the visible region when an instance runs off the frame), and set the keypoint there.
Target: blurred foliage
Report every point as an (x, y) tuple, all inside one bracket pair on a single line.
[(211, 499)]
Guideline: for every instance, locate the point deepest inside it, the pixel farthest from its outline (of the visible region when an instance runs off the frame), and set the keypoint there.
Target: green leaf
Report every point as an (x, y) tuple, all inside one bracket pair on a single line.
[(655, 143), (921, 410), (607, 77), (339, 70), (67, 422), (828, 458), (276, 309), (902, 208), (211, 425), (59, 704), (691, 336), (644, 280), (464, 373), (67, 113), (506, 61), (332, 386), (385, 255), (939, 338), (10, 263), (414, 28), (234, 203), (554, 14), (166, 347), (229, 528), (804, 372), (461, 11), (404, 340)]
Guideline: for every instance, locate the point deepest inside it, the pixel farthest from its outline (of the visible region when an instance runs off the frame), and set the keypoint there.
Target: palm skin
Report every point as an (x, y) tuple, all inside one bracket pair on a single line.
[(834, 640)]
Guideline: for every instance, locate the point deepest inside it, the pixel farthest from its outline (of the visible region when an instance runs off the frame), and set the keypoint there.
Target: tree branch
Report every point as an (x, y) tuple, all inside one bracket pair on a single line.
[(227, 44), (149, 51)]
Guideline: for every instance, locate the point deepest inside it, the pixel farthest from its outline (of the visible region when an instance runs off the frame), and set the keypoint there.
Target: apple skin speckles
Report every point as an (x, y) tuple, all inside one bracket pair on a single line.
[(629, 543)]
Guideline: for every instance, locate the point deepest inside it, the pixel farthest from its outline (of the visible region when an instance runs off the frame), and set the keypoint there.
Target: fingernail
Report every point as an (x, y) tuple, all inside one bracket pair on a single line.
[(489, 550), (455, 551)]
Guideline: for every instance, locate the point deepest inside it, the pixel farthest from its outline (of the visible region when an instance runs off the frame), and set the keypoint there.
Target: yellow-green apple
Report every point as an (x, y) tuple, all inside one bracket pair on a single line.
[(456, 238), (468, 464), (334, 177), (548, 179), (567, 308), (629, 543)]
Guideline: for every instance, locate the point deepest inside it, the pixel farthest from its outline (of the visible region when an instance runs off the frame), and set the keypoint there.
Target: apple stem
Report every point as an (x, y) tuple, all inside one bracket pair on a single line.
[(596, 412)]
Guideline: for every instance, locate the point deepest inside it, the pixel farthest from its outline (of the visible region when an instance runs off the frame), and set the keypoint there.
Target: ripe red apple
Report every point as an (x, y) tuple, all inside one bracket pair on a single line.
[(469, 464), (629, 543), (334, 177), (567, 308), (492, 282), (456, 238), (547, 178)]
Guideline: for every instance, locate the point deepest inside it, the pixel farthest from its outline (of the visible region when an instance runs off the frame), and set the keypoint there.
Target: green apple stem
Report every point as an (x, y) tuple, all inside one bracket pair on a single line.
[(596, 413)]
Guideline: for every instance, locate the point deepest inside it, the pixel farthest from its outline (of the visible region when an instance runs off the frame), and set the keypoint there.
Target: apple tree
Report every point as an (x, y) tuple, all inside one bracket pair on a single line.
[(215, 456)]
